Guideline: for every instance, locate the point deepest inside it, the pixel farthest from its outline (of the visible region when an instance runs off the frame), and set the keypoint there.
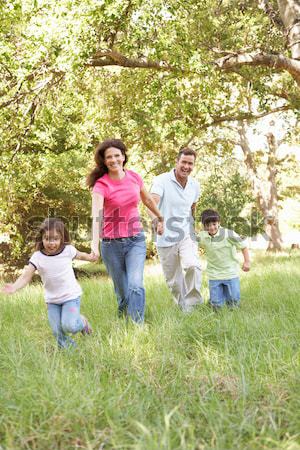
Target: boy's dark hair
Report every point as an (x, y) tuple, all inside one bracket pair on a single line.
[(51, 224), (186, 151), (209, 215)]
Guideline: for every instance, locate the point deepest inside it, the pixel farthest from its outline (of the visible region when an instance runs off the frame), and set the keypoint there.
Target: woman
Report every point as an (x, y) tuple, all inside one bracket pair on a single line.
[(117, 192)]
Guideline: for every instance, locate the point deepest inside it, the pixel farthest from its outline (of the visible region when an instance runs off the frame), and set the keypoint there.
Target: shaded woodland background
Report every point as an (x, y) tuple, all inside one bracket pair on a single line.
[(220, 76)]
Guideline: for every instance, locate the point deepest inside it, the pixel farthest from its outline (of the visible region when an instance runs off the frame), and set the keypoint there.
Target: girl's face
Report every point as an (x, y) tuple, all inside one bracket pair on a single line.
[(114, 159), (52, 242)]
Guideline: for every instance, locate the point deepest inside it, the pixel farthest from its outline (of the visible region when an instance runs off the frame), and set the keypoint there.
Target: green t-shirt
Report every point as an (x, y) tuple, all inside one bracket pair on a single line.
[(221, 254)]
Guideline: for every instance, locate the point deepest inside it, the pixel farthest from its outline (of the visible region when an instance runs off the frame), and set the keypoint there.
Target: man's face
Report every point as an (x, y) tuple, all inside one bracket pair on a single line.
[(184, 165)]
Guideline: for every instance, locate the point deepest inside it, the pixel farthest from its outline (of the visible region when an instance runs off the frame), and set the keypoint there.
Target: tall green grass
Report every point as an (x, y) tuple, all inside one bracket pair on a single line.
[(198, 382)]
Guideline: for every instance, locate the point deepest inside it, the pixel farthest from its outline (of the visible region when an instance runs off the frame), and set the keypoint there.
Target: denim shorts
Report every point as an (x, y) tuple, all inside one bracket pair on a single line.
[(225, 292)]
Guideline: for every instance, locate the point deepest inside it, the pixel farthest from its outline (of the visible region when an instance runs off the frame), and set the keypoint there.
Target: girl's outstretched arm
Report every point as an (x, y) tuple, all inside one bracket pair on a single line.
[(20, 282), (86, 256)]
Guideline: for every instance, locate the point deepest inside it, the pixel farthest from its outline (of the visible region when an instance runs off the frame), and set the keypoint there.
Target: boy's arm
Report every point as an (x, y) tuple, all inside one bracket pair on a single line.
[(246, 264), (83, 256), (236, 240), (20, 282)]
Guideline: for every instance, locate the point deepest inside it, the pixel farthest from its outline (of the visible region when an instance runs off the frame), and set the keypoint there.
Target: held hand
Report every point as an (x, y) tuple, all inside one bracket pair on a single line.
[(246, 266), (158, 225), (8, 289), (160, 228), (93, 257), (95, 251)]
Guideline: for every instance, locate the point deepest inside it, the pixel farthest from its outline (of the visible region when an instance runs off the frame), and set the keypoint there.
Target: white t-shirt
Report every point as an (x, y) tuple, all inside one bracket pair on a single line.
[(57, 275)]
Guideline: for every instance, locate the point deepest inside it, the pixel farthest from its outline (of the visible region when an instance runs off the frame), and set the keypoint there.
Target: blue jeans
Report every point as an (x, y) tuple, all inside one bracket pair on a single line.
[(225, 291), (63, 319), (124, 259)]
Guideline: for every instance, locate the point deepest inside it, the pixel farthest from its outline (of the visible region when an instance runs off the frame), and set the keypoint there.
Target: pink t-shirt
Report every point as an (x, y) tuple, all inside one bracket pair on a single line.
[(121, 197)]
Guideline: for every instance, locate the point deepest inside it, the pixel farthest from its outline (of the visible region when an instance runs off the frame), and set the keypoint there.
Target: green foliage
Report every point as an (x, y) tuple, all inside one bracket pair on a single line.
[(43, 186), (231, 196), (55, 106)]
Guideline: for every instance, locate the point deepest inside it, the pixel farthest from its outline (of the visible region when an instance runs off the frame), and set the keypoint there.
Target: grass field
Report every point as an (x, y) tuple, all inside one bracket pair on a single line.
[(198, 382)]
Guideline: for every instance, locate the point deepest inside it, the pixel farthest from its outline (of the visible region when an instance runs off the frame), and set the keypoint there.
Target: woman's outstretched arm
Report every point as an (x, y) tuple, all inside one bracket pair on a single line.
[(97, 217)]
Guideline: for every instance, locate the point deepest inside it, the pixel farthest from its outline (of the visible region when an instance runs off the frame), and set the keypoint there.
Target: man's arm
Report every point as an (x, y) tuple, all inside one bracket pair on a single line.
[(193, 208)]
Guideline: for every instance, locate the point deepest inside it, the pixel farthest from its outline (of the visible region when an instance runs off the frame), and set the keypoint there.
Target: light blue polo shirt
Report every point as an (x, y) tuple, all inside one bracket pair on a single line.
[(175, 205)]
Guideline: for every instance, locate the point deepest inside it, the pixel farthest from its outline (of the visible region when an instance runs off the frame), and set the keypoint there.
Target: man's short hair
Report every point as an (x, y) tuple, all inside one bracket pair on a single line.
[(209, 215), (186, 151)]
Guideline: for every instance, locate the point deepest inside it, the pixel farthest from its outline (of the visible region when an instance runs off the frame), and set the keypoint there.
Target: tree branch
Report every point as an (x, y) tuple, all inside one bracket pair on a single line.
[(275, 62), (273, 15), (104, 58), (216, 121), (118, 24), (43, 86), (56, 76)]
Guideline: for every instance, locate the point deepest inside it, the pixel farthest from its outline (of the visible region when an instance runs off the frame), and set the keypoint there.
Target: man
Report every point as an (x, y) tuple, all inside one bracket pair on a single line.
[(176, 194)]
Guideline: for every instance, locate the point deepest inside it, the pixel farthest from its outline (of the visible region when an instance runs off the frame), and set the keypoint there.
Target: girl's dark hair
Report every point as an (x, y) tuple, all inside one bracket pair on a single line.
[(209, 215), (101, 168), (51, 224)]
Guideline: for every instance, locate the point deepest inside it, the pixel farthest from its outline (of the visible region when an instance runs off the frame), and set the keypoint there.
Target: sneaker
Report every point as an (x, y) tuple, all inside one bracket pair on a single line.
[(86, 326)]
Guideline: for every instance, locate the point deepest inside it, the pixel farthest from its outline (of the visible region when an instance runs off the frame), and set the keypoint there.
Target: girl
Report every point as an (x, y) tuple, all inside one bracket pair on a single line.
[(53, 261), (115, 198)]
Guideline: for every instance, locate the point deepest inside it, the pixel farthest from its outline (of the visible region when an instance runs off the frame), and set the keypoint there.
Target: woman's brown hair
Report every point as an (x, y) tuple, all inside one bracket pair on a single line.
[(51, 224), (101, 168)]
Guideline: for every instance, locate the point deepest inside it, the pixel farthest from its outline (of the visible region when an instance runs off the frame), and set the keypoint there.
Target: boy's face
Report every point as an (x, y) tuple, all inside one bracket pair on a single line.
[(212, 227)]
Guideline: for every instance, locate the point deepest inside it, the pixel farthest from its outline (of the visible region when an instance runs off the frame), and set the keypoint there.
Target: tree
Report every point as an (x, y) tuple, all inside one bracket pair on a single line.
[(266, 190), (265, 165), (194, 37), (158, 74), (230, 193)]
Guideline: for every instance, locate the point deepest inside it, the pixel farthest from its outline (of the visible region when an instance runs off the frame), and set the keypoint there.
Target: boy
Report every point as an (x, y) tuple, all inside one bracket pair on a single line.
[(220, 245)]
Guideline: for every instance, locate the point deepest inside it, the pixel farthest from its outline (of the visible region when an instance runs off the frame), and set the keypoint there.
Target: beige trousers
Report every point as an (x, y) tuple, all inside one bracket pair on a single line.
[(182, 270)]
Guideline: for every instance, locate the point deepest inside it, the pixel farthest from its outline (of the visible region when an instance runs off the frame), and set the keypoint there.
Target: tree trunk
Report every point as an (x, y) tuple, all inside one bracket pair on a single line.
[(266, 193), (290, 15), (272, 225), (274, 235)]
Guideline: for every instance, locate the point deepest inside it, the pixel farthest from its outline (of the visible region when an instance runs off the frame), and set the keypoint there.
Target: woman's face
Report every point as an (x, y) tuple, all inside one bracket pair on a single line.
[(114, 159)]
